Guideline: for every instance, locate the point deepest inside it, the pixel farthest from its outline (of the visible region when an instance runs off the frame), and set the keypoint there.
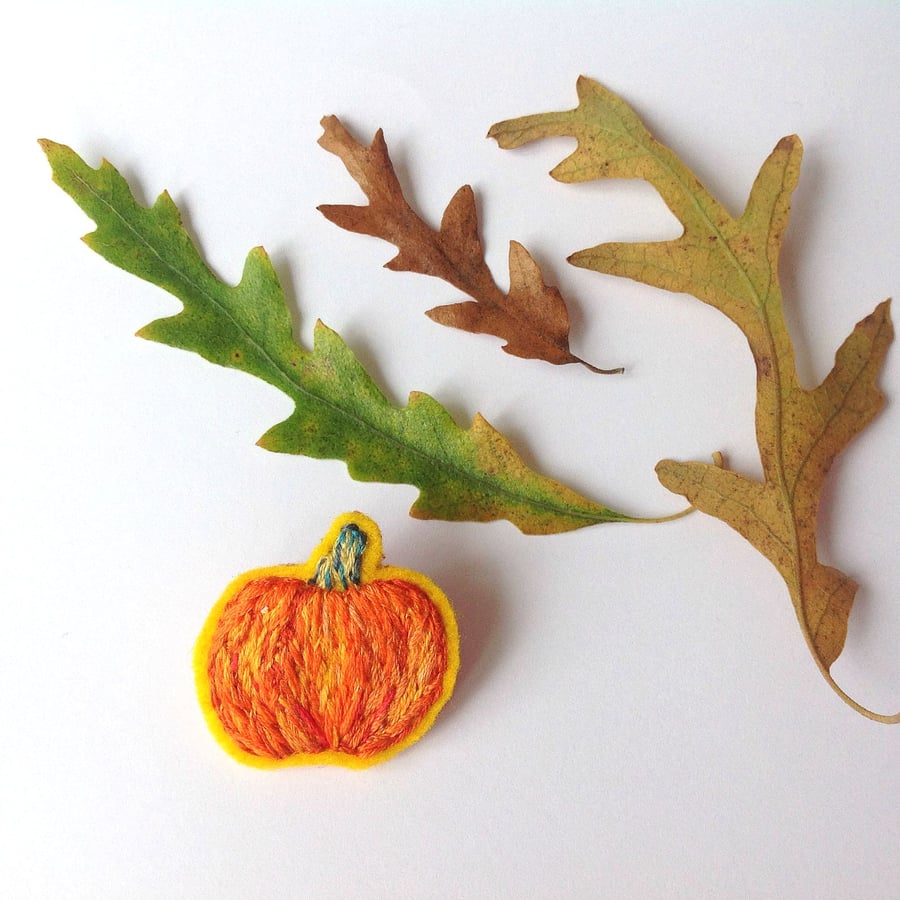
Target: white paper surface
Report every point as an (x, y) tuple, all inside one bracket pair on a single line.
[(637, 714)]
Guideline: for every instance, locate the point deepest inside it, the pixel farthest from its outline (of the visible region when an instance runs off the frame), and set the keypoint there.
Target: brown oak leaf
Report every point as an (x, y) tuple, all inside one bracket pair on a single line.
[(531, 317)]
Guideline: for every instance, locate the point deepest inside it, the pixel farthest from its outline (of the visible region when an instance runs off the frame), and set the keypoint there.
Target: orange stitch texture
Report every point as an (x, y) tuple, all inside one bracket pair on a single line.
[(294, 668), (295, 671)]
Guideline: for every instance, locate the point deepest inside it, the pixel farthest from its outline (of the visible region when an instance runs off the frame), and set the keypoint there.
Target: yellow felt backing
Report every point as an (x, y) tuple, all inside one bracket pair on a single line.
[(371, 570)]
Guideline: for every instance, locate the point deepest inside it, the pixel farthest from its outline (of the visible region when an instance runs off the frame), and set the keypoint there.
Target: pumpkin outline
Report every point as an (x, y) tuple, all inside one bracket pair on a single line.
[(371, 569)]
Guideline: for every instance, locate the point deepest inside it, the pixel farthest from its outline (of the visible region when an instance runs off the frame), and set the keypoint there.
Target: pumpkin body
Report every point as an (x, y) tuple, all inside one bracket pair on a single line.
[(292, 672)]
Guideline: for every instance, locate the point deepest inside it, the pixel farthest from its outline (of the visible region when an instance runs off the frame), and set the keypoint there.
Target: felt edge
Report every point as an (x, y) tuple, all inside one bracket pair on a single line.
[(371, 570)]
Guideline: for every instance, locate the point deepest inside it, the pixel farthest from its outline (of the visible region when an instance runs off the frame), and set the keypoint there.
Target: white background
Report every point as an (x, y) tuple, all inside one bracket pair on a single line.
[(637, 714)]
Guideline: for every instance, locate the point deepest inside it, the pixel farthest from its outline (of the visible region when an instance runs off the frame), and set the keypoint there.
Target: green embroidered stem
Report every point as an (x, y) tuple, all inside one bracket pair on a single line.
[(341, 566)]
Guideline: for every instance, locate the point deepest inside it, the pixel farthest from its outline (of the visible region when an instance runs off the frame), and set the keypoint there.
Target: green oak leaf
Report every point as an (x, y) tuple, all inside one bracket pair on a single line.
[(471, 474)]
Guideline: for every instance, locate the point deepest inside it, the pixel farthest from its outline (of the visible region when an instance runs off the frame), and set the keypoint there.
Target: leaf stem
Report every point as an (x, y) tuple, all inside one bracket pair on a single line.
[(655, 520), (718, 461), (853, 704), (617, 371)]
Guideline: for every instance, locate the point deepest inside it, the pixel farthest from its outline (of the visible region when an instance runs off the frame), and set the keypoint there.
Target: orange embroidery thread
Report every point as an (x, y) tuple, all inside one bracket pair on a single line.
[(340, 660)]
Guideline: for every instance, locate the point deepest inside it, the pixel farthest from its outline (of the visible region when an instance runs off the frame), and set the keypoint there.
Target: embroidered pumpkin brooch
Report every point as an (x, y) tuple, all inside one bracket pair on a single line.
[(337, 661)]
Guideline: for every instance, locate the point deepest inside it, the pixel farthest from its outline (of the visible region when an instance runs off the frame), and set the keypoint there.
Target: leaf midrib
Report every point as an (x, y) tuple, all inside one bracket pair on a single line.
[(760, 305), (721, 241)]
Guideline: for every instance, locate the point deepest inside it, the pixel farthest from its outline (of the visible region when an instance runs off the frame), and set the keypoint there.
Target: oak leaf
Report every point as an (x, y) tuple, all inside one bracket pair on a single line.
[(471, 474), (732, 264), (531, 317)]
